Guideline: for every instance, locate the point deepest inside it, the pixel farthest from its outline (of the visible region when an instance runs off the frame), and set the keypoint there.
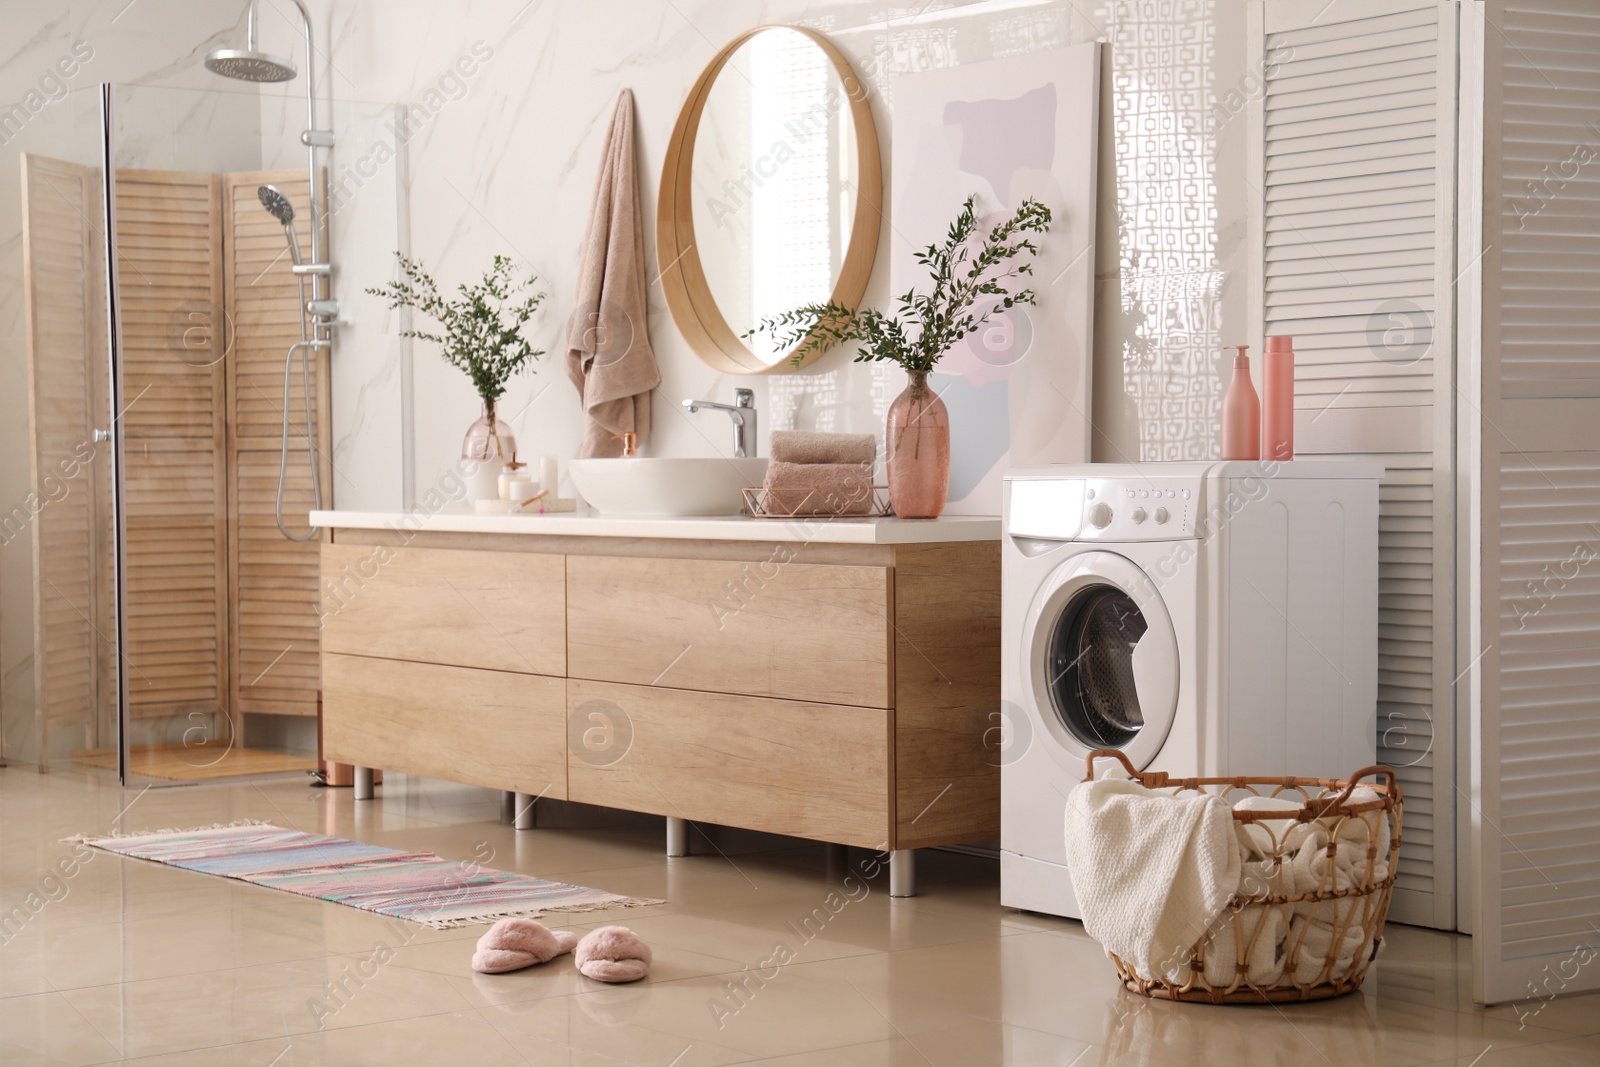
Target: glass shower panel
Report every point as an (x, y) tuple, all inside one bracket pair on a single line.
[(170, 150), (228, 433)]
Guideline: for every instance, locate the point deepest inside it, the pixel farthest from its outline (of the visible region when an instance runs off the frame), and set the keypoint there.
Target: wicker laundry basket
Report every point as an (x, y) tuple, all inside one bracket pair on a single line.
[(1308, 918)]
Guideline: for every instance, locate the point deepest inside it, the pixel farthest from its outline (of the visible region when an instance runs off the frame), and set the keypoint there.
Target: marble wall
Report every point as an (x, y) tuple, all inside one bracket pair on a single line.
[(504, 161), (483, 134)]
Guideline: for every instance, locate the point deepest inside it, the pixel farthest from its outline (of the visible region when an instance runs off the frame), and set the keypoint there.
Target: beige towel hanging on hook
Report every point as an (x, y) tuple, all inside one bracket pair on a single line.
[(609, 357)]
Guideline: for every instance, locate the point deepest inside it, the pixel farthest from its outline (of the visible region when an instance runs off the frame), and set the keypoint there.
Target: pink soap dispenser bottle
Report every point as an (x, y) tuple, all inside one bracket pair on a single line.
[(1277, 399), (1241, 412)]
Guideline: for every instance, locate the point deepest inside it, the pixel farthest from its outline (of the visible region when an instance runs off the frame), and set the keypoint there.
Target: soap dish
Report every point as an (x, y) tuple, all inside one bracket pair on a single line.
[(548, 506), (763, 503), (543, 506)]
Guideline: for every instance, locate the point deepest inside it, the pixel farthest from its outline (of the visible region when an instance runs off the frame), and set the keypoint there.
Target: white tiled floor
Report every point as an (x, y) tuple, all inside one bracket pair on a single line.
[(132, 962)]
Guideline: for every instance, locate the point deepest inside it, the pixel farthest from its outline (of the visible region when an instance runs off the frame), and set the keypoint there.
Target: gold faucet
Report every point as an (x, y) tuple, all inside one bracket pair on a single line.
[(630, 442)]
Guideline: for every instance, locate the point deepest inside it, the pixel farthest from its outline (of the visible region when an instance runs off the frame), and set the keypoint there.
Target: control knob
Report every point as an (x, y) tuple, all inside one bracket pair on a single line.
[(1100, 515)]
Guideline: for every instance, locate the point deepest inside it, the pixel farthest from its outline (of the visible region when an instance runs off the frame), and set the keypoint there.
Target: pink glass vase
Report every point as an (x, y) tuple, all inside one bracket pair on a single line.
[(918, 445), (489, 440)]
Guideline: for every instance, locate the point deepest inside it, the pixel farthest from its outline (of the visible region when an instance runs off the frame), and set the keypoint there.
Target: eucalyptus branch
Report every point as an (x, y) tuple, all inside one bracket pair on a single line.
[(922, 327), (482, 333)]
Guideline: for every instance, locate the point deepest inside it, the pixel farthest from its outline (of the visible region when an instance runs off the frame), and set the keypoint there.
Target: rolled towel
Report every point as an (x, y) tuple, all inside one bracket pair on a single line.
[(612, 954), (514, 943), (1271, 837), (1311, 947), (1359, 829), (1260, 878), (1313, 870), (801, 446), (1258, 930), (1309, 865), (817, 488), (1327, 930)]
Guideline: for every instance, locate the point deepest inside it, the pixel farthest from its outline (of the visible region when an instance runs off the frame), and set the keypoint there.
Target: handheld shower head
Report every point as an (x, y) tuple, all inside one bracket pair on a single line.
[(276, 203), (278, 207)]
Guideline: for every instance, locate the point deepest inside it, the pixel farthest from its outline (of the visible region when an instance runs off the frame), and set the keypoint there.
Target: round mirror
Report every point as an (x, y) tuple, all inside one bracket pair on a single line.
[(770, 195)]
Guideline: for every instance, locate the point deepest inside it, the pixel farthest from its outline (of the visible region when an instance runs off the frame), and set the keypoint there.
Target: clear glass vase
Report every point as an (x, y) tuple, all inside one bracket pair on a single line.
[(489, 440), (918, 445)]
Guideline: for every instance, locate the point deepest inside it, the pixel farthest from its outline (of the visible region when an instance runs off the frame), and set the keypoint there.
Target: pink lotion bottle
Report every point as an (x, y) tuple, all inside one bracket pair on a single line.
[(1277, 399), (1241, 412)]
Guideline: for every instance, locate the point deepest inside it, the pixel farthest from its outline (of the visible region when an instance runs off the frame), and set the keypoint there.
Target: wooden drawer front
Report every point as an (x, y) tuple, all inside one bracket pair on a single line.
[(489, 728), (786, 767), (797, 631), (504, 611)]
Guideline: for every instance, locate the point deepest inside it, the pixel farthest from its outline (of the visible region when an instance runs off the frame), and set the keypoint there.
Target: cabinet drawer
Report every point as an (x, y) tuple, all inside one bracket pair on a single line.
[(791, 630), (786, 767), (489, 728), (503, 611)]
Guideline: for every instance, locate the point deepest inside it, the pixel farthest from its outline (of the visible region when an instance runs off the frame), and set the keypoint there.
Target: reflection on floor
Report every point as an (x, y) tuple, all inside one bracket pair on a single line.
[(179, 762), (125, 961)]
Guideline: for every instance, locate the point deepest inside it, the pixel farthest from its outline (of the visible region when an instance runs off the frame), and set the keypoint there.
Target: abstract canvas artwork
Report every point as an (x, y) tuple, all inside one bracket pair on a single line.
[(1006, 129)]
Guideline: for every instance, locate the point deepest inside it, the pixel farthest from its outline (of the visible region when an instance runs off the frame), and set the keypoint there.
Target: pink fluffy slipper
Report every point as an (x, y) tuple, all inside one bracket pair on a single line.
[(514, 943), (612, 954)]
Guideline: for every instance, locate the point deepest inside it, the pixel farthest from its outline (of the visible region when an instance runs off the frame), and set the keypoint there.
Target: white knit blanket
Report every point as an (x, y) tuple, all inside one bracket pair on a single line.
[(1152, 872)]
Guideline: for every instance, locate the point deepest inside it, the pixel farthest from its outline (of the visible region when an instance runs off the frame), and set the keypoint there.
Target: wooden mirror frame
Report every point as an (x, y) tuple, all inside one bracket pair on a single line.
[(683, 276)]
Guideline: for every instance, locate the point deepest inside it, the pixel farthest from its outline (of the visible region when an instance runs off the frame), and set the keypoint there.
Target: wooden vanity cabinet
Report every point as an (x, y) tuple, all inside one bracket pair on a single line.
[(844, 693)]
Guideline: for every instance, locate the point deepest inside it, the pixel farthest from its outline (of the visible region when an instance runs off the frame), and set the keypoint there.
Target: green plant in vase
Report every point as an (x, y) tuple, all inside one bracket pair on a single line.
[(482, 335), (974, 277)]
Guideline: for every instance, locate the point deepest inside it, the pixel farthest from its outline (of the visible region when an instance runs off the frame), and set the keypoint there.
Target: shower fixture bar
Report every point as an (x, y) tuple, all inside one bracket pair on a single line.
[(319, 312)]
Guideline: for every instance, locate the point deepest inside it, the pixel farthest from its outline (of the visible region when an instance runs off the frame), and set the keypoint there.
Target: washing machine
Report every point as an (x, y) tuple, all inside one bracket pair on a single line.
[(1203, 618)]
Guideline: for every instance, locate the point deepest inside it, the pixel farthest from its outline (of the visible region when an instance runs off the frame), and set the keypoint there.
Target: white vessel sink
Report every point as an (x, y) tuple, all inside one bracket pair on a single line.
[(666, 485)]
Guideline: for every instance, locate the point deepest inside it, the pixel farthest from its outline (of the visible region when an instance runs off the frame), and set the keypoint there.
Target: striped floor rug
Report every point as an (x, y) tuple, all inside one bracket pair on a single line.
[(420, 887)]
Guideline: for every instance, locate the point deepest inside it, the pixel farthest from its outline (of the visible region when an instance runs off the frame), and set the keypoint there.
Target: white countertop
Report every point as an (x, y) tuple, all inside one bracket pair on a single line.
[(889, 531)]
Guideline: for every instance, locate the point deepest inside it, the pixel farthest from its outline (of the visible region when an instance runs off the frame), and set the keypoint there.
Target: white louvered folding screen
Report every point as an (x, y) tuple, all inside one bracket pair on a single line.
[(1357, 262), (1533, 567)]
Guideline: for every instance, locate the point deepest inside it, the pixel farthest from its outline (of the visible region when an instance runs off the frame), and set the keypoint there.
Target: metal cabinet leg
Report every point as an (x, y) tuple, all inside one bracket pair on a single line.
[(903, 872), (364, 783), (508, 806), (677, 836), (525, 811)]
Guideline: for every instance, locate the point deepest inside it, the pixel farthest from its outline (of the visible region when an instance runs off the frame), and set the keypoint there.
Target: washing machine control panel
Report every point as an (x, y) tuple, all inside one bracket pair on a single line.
[(1104, 509)]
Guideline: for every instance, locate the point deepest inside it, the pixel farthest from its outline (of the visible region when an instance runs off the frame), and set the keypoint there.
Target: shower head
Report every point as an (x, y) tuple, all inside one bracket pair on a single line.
[(278, 207), (249, 65), (276, 203)]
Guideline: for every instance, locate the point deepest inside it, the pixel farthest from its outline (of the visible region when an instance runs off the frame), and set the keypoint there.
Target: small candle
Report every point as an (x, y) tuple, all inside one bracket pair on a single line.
[(550, 476)]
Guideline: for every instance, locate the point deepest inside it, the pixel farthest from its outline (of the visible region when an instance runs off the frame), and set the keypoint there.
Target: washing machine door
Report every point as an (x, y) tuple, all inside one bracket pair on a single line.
[(1102, 661)]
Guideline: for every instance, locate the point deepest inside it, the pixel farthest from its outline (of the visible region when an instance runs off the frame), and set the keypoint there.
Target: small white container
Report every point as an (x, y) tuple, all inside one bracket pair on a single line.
[(513, 472), (483, 480)]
